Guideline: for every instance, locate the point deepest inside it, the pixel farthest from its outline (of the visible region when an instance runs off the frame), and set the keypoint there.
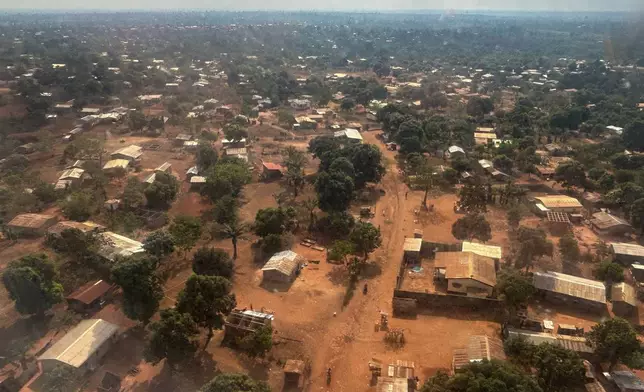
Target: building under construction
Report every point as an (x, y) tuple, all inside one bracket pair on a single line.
[(240, 323)]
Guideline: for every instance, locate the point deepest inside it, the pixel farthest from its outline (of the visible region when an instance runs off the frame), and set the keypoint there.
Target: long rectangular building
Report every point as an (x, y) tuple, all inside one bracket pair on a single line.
[(590, 294)]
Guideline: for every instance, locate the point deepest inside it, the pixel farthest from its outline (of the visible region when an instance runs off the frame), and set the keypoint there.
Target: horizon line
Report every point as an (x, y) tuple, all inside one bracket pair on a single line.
[(312, 10)]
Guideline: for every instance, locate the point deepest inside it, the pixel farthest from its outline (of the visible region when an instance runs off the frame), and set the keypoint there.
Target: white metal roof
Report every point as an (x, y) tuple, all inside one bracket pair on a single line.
[(132, 151), (118, 245), (79, 344), (491, 251), (285, 262)]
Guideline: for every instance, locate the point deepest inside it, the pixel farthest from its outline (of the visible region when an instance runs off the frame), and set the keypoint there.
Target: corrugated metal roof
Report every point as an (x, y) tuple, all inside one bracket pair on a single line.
[(573, 343), (603, 220), (32, 221), (273, 166), (118, 245), (91, 291), (479, 347), (285, 262), (559, 201), (72, 173), (79, 344), (114, 163), (132, 151), (467, 265), (164, 167), (627, 381), (413, 244), (625, 293), (494, 252), (623, 248), (573, 286)]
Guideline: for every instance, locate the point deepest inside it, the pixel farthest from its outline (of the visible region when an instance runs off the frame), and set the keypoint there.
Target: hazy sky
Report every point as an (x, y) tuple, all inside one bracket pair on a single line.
[(526, 5)]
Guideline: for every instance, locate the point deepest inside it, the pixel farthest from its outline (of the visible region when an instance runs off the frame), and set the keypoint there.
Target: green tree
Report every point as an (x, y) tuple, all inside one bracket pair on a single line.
[(610, 272), (61, 378), (473, 199), (31, 283), (514, 288), (366, 238), (368, 163), (137, 121), (163, 191), (633, 135), (233, 230), (636, 214), (335, 191), (142, 290), (294, 160), (75, 243), (514, 217), (79, 206), (532, 244), (478, 107), (212, 262), (613, 340), (228, 382), (258, 343), (186, 231), (571, 174), (472, 226), (159, 244), (235, 132), (493, 376), (206, 156), (226, 178), (342, 165), (173, 338), (504, 163), (133, 196), (207, 299), (340, 249), (275, 221), (569, 247), (45, 192), (558, 369), (225, 210)]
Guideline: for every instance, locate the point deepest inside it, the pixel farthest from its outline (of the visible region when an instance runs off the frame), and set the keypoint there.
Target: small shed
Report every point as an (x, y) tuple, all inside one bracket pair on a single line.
[(116, 164), (240, 323), (454, 151), (90, 296), (181, 138), (272, 170), (398, 377), (624, 299), (558, 287), (165, 167), (626, 253), (412, 250), (608, 224), (637, 270), (31, 224), (130, 153), (627, 381), (294, 372), (196, 182), (282, 267)]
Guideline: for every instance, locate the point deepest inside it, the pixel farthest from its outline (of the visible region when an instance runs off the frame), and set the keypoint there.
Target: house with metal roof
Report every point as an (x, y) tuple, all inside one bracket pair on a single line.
[(560, 203), (282, 267), (608, 224), (272, 170), (624, 299), (479, 348), (82, 347), (558, 287), (89, 296), (240, 323), (411, 249), (116, 245), (397, 377), (116, 164), (466, 273), (573, 343), (30, 224), (626, 253), (130, 153), (165, 167), (350, 134), (84, 227), (454, 151), (491, 251)]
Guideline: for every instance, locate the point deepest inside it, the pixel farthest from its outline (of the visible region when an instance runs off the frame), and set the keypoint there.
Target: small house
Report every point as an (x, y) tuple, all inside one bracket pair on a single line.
[(84, 227), (558, 222), (197, 182), (560, 203), (304, 122), (484, 135), (486, 164), (454, 152), (627, 254), (90, 296), (397, 377), (151, 178), (115, 165), (350, 134), (233, 143), (282, 266), (573, 343), (300, 104), (412, 250), (191, 145), (82, 347), (115, 245), (608, 224), (624, 299), (240, 153), (31, 224), (75, 176), (182, 138), (466, 273), (130, 153), (272, 170), (627, 381), (479, 348), (557, 287), (192, 171)]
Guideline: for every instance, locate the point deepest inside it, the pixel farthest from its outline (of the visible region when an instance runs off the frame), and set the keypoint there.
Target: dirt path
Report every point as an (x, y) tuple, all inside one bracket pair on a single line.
[(355, 324)]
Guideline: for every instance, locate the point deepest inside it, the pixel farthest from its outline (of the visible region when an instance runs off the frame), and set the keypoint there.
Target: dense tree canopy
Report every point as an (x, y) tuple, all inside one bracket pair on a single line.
[(31, 283)]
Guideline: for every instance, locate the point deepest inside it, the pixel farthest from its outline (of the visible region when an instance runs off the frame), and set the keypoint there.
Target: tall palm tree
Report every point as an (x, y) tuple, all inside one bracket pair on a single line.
[(233, 230), (311, 204)]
